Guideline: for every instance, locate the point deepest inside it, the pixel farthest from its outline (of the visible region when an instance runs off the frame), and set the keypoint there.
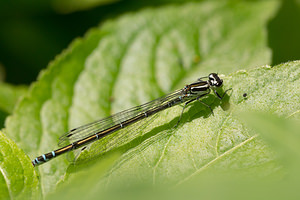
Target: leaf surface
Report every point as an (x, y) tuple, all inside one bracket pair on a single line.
[(137, 58), (18, 179)]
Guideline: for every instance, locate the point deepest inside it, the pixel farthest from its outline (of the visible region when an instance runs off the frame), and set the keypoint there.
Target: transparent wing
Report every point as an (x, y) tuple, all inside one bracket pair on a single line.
[(122, 138), (100, 125)]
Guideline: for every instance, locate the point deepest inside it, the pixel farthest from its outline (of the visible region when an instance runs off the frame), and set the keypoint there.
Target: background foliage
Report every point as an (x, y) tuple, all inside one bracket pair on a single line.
[(164, 44)]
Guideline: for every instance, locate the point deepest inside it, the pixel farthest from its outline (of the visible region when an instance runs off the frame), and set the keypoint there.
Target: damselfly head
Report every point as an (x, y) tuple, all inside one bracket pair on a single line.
[(214, 80)]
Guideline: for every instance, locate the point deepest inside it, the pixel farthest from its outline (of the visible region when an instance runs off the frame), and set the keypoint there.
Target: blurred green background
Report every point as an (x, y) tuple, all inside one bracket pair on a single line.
[(33, 32)]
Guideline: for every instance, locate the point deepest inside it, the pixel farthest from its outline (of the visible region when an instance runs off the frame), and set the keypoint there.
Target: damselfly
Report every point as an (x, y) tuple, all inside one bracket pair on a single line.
[(88, 133)]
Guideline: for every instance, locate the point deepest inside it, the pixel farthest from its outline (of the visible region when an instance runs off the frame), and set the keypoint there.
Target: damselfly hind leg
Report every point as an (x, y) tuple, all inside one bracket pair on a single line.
[(212, 112), (183, 111), (190, 102)]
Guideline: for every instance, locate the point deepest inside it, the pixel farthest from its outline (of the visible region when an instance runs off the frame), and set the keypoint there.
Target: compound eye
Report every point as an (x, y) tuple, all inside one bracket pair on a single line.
[(215, 80), (219, 83)]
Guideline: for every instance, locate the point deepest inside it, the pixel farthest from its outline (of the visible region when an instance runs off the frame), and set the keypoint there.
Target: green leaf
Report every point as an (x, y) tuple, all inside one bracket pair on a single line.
[(282, 134), (42, 116), (80, 184), (206, 143), (18, 179), (9, 96), (137, 58)]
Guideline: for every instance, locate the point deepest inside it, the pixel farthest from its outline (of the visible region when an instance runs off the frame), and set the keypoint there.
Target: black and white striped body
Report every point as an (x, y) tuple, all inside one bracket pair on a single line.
[(186, 95)]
